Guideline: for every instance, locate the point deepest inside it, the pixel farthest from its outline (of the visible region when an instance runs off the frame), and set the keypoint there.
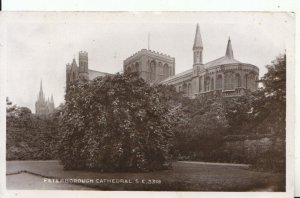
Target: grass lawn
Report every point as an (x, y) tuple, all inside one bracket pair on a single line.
[(182, 177)]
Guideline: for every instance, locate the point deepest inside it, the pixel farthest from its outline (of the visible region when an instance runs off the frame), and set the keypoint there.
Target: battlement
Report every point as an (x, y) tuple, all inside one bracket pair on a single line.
[(149, 52), (83, 53)]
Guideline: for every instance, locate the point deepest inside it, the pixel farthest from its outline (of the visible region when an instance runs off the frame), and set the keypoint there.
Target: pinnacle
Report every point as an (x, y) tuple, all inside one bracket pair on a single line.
[(229, 51), (198, 39)]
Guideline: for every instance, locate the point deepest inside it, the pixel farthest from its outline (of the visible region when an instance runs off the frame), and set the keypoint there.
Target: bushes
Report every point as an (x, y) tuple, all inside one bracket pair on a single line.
[(117, 123), (29, 137)]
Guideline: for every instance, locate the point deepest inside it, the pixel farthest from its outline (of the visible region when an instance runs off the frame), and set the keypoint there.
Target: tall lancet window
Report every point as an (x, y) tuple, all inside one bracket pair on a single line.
[(152, 70), (238, 80), (200, 84), (166, 70), (229, 81), (219, 82), (212, 84), (207, 83)]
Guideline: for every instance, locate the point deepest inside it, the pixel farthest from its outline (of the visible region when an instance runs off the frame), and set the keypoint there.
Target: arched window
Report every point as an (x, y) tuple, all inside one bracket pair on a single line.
[(179, 89), (184, 88), (212, 84), (206, 83), (74, 77), (166, 70), (189, 89), (200, 83), (251, 82), (246, 81), (152, 70), (238, 80), (219, 83), (68, 77), (128, 69), (229, 81)]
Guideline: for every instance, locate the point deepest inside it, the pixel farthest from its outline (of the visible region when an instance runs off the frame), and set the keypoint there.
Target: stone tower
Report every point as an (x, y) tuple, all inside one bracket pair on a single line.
[(197, 62), (83, 66), (152, 66)]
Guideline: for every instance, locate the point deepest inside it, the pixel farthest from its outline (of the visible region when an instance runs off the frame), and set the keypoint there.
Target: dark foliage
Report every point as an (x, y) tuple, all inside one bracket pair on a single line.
[(246, 129), (117, 123), (30, 137)]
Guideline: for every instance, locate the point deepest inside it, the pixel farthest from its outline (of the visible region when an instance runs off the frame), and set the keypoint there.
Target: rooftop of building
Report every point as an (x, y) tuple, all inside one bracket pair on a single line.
[(149, 52), (228, 59), (93, 74)]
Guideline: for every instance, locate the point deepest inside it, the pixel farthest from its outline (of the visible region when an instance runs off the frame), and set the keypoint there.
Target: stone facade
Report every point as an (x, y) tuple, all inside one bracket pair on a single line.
[(152, 66), (81, 72), (225, 76), (43, 107)]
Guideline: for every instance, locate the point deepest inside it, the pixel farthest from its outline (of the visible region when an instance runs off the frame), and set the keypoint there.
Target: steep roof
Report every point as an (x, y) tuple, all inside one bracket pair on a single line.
[(227, 59), (229, 51), (198, 40), (185, 73), (221, 61), (93, 74)]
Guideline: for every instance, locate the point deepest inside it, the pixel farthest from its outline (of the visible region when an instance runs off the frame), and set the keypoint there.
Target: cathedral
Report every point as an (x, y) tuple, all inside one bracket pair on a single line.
[(152, 66), (224, 76), (76, 72), (43, 107)]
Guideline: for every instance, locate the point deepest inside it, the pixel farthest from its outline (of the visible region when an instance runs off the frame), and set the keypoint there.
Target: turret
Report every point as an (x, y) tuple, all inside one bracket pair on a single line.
[(198, 47), (83, 65), (41, 96), (229, 51), (197, 52)]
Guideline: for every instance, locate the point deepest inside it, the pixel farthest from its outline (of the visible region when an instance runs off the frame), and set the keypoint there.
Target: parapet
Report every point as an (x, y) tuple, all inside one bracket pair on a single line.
[(83, 53), (149, 52)]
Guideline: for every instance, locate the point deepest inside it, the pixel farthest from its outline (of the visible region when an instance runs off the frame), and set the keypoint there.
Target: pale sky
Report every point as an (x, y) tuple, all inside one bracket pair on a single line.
[(37, 46)]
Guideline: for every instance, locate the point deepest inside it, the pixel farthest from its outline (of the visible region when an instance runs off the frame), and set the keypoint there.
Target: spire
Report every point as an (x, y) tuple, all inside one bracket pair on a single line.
[(74, 62), (229, 52), (41, 86), (198, 39), (41, 93)]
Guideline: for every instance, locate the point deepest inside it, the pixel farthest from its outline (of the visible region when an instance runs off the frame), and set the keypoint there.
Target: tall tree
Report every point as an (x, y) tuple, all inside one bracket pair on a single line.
[(117, 123)]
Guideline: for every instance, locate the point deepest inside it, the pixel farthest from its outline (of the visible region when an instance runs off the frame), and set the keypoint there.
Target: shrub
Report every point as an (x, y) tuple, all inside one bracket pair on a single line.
[(116, 123)]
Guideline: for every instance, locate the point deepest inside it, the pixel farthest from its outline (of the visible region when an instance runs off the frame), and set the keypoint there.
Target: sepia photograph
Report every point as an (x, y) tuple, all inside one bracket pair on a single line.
[(148, 101)]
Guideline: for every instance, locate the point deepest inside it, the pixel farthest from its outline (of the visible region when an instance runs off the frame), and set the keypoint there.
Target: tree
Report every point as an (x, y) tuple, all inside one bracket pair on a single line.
[(200, 135), (116, 123), (269, 114)]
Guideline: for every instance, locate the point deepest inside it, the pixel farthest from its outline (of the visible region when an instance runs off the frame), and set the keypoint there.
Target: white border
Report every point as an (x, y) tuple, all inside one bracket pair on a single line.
[(158, 5)]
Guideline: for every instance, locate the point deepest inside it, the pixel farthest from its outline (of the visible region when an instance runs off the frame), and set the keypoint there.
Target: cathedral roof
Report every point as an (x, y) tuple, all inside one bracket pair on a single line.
[(93, 74), (221, 61), (198, 39), (186, 73), (227, 59)]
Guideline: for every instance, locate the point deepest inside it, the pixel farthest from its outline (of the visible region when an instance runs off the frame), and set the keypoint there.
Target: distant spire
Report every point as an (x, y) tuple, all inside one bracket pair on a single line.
[(41, 86), (229, 52), (41, 93), (198, 39), (74, 62)]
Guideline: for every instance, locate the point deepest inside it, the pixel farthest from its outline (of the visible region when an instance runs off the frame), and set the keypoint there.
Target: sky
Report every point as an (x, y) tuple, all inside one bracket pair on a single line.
[(37, 46)]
